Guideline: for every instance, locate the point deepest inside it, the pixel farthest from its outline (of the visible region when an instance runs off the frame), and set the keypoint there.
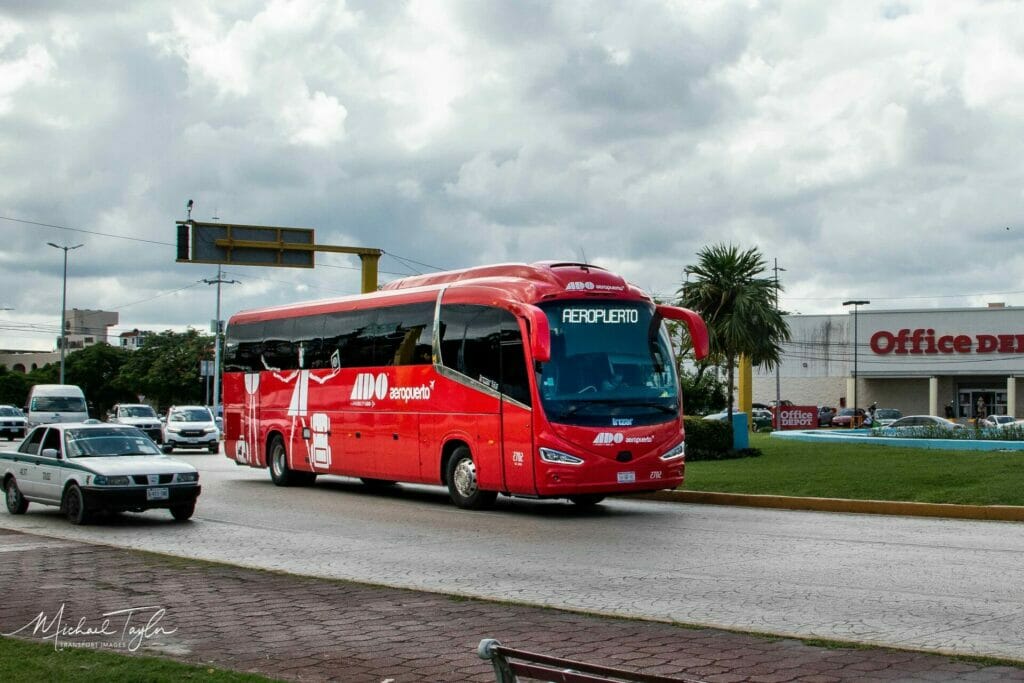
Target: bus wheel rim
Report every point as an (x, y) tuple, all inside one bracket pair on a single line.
[(278, 462), (465, 477)]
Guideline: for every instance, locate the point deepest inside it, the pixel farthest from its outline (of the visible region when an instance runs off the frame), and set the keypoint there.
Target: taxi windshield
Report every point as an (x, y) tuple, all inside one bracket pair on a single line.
[(100, 442), (609, 360)]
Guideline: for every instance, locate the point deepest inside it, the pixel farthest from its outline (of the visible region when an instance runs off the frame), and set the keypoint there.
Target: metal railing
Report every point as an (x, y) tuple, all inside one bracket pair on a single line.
[(510, 663)]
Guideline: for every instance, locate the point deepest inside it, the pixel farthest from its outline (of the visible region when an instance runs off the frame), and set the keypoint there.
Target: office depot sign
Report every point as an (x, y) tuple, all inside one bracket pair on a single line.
[(926, 341), (798, 417)]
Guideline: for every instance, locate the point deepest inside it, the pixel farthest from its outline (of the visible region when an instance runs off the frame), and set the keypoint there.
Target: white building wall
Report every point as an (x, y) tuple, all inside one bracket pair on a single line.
[(820, 358)]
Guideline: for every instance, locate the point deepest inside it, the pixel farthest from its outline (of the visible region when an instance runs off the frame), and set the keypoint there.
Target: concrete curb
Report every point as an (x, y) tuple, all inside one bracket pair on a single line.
[(1006, 513)]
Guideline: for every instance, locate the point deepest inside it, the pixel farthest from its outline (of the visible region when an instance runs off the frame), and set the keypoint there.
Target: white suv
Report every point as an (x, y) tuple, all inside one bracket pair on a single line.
[(190, 427)]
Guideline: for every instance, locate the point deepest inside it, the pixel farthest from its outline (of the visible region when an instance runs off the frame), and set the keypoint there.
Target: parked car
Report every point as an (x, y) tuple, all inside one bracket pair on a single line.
[(845, 416), (1001, 421), (886, 416), (12, 422), (825, 415), (922, 423), (759, 417), (190, 427), (138, 415), (89, 468)]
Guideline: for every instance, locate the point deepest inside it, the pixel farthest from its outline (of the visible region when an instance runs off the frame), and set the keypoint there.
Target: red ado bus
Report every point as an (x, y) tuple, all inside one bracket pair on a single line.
[(549, 380)]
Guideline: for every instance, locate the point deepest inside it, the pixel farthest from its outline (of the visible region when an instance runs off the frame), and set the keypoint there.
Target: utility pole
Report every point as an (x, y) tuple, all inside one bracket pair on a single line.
[(778, 366), (217, 328)]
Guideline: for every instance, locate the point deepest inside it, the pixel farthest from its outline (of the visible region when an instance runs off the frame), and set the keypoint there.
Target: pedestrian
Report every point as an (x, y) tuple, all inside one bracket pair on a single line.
[(980, 412)]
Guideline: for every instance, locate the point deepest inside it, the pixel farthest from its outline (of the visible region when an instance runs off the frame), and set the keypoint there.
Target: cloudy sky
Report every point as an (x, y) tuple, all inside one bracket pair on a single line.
[(874, 148)]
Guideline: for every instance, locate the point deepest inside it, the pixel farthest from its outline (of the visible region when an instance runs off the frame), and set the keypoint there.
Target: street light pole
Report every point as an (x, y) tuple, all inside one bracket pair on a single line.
[(63, 304), (855, 304)]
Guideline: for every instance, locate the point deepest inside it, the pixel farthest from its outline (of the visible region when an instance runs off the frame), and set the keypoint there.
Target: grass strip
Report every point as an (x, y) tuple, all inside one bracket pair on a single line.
[(866, 472), (30, 662)]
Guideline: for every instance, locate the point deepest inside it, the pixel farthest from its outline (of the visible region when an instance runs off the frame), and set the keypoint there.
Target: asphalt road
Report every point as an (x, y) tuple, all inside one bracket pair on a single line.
[(942, 585)]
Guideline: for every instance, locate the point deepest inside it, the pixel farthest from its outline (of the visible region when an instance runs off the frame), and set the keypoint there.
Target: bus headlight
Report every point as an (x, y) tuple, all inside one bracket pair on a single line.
[(558, 457), (677, 452)]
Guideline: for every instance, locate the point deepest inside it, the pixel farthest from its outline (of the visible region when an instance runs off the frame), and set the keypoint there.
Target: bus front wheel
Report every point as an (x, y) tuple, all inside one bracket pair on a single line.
[(463, 486), (280, 473)]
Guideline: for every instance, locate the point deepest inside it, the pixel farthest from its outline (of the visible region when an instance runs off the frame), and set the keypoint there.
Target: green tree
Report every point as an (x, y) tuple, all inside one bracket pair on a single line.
[(13, 387), (97, 369), (738, 306), (703, 392), (166, 368)]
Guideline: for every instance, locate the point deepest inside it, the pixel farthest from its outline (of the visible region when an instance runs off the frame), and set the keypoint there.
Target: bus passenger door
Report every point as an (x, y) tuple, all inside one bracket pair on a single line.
[(516, 413)]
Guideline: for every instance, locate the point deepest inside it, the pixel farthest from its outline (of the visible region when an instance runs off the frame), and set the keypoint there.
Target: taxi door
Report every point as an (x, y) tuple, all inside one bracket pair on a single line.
[(26, 471), (50, 468)]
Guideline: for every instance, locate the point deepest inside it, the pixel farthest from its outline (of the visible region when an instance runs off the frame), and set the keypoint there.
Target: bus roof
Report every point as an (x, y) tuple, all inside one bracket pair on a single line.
[(502, 283)]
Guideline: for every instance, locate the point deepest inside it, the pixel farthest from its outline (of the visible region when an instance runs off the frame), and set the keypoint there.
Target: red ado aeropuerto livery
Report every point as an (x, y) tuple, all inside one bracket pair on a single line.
[(542, 380)]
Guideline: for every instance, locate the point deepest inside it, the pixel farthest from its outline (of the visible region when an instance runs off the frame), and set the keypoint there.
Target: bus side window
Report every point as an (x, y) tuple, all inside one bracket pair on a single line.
[(515, 381), (242, 347), (471, 341)]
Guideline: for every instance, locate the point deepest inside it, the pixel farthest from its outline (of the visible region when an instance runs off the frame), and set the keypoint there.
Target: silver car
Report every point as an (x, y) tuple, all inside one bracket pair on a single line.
[(924, 423)]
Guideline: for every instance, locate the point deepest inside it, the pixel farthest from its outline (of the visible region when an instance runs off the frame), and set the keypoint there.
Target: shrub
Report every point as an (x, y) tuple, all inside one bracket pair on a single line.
[(712, 440)]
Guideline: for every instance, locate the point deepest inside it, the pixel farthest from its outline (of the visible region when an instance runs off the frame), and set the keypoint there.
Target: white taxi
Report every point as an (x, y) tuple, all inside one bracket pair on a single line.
[(90, 468)]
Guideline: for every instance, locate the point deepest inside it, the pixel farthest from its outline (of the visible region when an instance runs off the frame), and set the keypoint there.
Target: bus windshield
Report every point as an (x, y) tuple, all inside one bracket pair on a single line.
[(609, 361)]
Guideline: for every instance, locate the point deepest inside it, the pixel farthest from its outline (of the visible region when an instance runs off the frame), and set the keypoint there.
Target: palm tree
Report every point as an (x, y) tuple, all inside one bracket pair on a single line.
[(739, 308)]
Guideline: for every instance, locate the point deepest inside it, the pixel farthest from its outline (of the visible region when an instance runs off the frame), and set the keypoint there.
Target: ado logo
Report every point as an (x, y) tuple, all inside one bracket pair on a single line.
[(577, 286), (608, 438), (368, 387)]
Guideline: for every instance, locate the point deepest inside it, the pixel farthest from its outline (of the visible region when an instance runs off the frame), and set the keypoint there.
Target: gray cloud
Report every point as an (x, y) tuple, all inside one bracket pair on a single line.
[(872, 148)]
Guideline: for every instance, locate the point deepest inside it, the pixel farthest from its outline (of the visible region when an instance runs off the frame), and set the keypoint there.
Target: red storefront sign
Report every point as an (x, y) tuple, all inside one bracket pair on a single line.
[(926, 341), (799, 417)]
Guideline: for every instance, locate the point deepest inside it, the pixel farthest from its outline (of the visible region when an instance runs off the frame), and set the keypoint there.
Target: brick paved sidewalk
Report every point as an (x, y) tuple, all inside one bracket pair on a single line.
[(305, 629)]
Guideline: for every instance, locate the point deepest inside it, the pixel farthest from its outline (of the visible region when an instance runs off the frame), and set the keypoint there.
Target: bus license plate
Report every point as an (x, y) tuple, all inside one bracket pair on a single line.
[(159, 493), (627, 477)]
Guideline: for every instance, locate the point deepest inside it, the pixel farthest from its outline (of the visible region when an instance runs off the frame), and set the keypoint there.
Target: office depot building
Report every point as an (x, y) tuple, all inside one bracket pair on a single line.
[(923, 361)]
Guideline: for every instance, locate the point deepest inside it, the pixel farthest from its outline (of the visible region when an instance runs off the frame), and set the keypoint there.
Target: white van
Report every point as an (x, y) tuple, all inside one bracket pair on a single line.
[(48, 403)]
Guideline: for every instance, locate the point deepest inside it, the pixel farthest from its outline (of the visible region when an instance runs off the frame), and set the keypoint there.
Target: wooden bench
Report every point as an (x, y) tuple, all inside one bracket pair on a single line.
[(510, 663)]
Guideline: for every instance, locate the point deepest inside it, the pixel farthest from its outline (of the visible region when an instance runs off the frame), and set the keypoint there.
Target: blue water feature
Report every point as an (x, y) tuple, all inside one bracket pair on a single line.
[(865, 436)]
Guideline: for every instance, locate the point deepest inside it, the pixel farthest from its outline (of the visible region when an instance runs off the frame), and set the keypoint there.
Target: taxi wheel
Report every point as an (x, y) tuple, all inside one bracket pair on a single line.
[(183, 511), (74, 505), (16, 503), (463, 486)]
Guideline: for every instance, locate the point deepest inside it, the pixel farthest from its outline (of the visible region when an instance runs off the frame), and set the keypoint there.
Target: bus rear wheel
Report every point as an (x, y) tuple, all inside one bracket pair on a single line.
[(280, 473), (463, 486)]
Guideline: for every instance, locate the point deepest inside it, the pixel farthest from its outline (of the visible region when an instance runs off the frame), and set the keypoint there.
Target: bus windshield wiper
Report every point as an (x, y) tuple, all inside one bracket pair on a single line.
[(648, 404)]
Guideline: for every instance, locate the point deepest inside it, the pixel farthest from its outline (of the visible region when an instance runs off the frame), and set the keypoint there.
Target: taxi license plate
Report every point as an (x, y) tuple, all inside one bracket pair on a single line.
[(158, 493), (627, 477)]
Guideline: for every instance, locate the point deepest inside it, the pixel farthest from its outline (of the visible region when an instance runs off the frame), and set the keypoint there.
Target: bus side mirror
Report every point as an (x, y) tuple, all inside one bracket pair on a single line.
[(694, 323), (540, 334)]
